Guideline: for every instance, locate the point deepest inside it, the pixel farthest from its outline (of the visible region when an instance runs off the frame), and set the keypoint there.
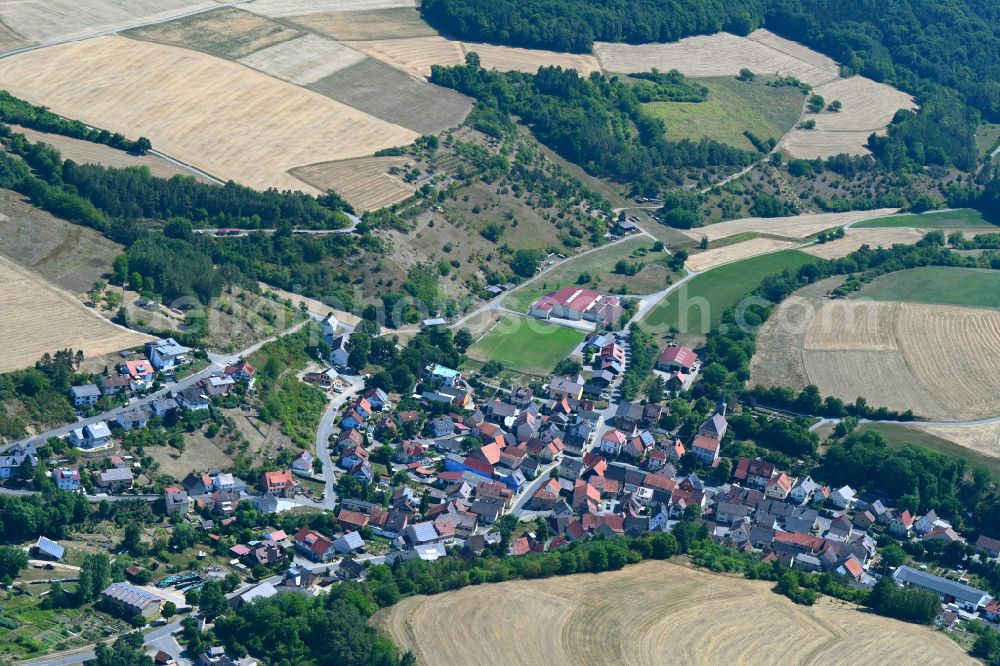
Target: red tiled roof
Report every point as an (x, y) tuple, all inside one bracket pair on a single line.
[(680, 355), (705, 443), (853, 567), (799, 539)]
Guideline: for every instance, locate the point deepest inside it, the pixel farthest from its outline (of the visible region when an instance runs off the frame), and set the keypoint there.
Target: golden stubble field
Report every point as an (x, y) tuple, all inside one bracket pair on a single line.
[(796, 226), (724, 255), (365, 182), (854, 238), (39, 317), (941, 361), (651, 613), (219, 116)]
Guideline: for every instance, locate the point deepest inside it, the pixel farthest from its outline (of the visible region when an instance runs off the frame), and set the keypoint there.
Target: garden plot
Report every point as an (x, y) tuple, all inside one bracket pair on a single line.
[(414, 103), (47, 20), (796, 226), (226, 32), (730, 253), (283, 8), (720, 54), (216, 115), (364, 182), (304, 60)]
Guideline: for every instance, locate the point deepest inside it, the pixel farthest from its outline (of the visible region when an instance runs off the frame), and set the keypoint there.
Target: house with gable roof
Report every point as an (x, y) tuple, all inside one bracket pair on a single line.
[(708, 441)]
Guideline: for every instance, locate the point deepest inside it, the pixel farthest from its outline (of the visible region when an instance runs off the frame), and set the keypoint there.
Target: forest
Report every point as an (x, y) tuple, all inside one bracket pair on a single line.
[(598, 123)]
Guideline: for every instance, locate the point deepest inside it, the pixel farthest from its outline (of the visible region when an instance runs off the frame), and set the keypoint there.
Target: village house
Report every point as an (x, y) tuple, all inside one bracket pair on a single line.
[(115, 479), (778, 487), (988, 545), (565, 387), (11, 461), (843, 497), (303, 463), (66, 478), (192, 399), (176, 501), (313, 545), (84, 396), (114, 384), (280, 483), (708, 441), (340, 351), (133, 419), (92, 436), (349, 542), (140, 372), (901, 525), (612, 442), (242, 372), (166, 353)]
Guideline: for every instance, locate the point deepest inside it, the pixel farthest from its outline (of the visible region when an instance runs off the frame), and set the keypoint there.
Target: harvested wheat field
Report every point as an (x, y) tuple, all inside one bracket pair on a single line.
[(45, 20), (730, 253), (868, 107), (10, 40), (216, 115), (414, 55), (651, 613), (795, 50), (720, 54), (854, 238), (282, 8), (393, 23), (414, 103), (796, 226), (509, 59), (941, 361), (364, 182), (304, 60), (87, 152), (39, 317), (225, 32), (984, 439)]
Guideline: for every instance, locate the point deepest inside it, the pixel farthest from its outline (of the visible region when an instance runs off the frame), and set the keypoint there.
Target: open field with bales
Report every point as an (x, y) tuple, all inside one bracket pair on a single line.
[(698, 305), (732, 107), (414, 104), (39, 317), (364, 182), (938, 219), (69, 255), (392, 23), (526, 345), (651, 613), (795, 226), (723, 255), (867, 107), (219, 116), (721, 54), (941, 361), (225, 32), (88, 152), (946, 285), (303, 60), (282, 8), (855, 237), (45, 20)]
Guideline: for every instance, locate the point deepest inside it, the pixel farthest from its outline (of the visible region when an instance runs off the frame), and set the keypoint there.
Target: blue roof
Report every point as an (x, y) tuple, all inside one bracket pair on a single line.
[(50, 547), (131, 595), (441, 371)]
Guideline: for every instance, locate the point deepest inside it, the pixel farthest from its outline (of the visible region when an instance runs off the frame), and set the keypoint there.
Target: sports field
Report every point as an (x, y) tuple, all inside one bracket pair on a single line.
[(731, 108), (38, 317), (946, 285), (219, 116), (651, 613), (704, 298), (527, 345), (939, 219)]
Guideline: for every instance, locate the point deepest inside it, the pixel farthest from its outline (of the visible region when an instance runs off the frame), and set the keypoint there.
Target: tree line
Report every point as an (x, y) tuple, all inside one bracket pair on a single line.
[(596, 122)]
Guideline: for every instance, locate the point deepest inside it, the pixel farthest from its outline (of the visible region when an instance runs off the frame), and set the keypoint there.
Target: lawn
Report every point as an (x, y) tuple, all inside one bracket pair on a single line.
[(942, 285), (732, 107), (897, 435), (711, 293), (941, 219), (600, 265), (526, 344)]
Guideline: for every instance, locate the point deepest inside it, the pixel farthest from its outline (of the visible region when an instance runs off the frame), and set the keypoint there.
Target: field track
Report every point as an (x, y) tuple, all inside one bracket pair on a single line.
[(218, 116), (39, 317), (941, 361), (45, 20), (651, 613), (797, 226)]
